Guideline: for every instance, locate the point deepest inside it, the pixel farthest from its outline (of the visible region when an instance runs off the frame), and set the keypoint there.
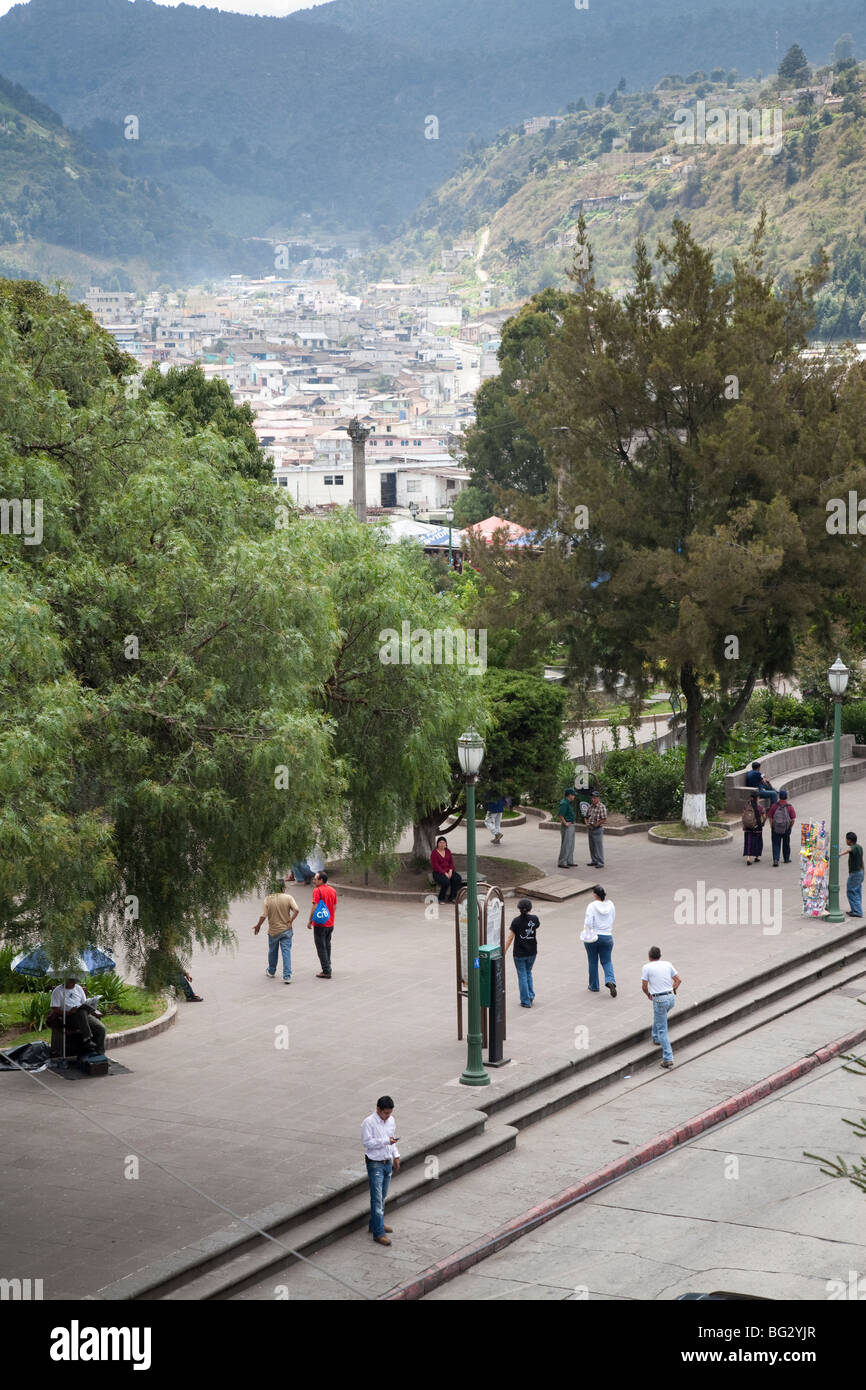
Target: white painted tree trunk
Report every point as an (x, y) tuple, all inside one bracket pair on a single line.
[(695, 810)]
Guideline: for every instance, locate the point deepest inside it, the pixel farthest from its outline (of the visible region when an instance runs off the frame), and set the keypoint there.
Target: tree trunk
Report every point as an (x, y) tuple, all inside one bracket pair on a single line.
[(424, 834), (696, 777)]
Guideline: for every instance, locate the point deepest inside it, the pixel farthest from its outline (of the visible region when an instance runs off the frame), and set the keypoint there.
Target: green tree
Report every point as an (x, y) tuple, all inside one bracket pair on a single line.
[(525, 744), (794, 67), (501, 452), (166, 613), (472, 504), (843, 48), (396, 709), (198, 403), (701, 451)]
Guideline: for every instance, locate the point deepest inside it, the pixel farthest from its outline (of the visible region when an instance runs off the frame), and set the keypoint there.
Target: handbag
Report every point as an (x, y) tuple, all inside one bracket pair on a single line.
[(589, 934)]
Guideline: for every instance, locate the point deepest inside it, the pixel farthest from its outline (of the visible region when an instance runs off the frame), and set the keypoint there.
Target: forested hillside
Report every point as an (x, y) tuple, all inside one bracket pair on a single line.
[(66, 210), (325, 113), (622, 164)]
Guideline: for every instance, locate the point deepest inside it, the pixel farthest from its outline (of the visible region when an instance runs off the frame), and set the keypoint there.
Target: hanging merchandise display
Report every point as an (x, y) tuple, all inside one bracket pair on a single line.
[(814, 867)]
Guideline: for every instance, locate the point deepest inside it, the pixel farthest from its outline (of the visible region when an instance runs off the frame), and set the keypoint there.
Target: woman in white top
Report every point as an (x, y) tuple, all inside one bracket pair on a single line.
[(597, 937)]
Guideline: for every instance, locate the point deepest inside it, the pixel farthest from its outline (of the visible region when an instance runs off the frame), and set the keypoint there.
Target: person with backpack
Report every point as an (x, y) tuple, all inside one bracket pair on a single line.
[(782, 819), (321, 923), (753, 829), (523, 935)]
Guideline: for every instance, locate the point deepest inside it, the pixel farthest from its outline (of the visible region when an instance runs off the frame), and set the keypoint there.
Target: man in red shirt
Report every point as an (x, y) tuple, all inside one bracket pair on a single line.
[(321, 923)]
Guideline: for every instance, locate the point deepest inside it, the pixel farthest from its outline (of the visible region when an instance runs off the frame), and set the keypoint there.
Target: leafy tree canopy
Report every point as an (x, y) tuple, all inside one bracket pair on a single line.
[(197, 402), (688, 539)]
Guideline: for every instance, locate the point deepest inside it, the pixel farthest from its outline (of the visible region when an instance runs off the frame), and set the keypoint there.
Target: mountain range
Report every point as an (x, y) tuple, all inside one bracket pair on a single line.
[(349, 114), (67, 211)]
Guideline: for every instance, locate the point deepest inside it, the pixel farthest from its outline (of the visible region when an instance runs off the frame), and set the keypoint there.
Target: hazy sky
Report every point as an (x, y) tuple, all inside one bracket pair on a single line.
[(272, 7)]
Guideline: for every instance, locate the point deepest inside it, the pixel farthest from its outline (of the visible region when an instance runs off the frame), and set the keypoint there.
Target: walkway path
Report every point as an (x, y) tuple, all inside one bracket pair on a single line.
[(223, 1105)]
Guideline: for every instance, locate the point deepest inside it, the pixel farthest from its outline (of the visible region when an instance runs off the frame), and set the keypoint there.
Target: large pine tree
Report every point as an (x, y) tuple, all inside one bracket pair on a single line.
[(696, 446)]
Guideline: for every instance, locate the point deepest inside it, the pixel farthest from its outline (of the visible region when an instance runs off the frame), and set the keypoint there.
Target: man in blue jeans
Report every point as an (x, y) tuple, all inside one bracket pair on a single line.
[(382, 1158), (281, 910), (854, 886), (660, 982), (757, 782)]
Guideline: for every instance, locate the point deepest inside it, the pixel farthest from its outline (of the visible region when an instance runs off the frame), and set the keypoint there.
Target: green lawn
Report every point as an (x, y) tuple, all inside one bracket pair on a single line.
[(146, 1004)]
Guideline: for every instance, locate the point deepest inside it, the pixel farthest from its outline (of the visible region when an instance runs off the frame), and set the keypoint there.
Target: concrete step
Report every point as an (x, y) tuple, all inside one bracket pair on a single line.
[(695, 1020), (629, 1069), (213, 1266), (234, 1274)]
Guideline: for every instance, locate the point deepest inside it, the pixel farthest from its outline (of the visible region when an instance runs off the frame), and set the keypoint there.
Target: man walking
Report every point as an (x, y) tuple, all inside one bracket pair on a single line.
[(493, 820), (594, 821), (660, 982), (382, 1158), (566, 829), (281, 910), (781, 821), (854, 886), (322, 914)]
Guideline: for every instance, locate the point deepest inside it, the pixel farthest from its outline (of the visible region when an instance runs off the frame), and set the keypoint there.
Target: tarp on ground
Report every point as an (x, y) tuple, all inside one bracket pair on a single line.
[(33, 1056)]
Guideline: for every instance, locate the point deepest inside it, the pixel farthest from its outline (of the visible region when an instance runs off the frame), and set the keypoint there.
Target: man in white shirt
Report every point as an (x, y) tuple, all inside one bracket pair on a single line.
[(70, 1000), (380, 1152), (660, 982)]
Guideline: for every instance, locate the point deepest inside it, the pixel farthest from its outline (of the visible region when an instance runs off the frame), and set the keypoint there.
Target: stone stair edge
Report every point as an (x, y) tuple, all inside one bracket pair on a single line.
[(323, 1230), (446, 1134)]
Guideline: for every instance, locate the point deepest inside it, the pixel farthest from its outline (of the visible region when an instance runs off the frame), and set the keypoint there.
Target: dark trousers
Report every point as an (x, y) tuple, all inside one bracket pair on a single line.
[(322, 938), (783, 843), (448, 887), (88, 1025)]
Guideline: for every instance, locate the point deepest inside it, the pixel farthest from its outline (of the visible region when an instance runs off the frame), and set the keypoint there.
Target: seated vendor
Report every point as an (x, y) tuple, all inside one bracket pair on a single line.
[(81, 1015)]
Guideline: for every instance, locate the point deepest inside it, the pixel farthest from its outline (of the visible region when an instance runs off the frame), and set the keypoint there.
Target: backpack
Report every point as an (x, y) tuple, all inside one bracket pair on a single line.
[(322, 914), (750, 820), (781, 821)]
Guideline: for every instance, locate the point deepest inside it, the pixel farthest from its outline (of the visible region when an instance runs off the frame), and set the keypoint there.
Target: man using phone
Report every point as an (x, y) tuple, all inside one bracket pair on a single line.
[(378, 1135)]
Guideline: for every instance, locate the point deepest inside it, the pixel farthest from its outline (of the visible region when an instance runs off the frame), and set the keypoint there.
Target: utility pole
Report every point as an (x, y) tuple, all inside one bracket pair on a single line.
[(359, 436)]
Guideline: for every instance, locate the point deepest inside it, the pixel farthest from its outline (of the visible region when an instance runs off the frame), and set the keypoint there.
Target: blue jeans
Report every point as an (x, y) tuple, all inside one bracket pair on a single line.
[(600, 950), (523, 965), (771, 796), (662, 1005), (379, 1178), (283, 943), (854, 890)]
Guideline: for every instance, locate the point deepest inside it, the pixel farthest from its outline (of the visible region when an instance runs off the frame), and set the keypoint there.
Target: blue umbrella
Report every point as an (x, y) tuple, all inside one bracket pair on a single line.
[(38, 962)]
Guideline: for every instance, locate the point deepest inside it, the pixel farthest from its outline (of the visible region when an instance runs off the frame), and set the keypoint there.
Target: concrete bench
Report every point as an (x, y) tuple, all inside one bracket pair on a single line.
[(799, 769)]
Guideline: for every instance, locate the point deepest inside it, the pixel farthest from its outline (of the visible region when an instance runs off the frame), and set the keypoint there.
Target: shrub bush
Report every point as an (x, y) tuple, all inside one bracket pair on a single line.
[(645, 785), (36, 1010), (854, 720), (111, 988)]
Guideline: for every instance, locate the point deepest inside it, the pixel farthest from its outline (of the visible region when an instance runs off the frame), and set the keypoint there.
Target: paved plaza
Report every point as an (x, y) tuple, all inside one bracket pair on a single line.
[(238, 1119)]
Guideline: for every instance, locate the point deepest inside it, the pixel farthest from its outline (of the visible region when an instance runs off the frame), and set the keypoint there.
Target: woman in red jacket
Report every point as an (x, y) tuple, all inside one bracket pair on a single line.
[(444, 872)]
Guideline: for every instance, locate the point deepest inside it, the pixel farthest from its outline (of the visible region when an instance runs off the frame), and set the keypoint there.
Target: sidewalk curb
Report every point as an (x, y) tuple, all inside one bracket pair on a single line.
[(470, 1255), (144, 1030)]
